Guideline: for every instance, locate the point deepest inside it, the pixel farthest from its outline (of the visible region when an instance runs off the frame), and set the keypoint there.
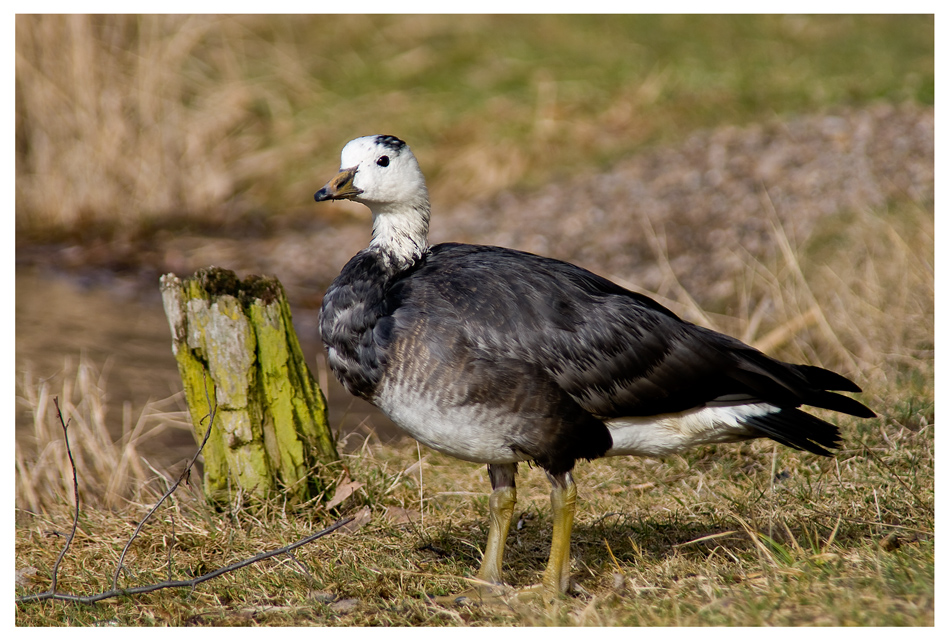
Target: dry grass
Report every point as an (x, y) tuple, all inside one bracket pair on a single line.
[(857, 296), (731, 535), (131, 118), (112, 473), (750, 534)]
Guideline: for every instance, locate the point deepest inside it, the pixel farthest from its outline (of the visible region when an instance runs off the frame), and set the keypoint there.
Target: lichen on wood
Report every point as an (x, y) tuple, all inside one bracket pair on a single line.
[(237, 350)]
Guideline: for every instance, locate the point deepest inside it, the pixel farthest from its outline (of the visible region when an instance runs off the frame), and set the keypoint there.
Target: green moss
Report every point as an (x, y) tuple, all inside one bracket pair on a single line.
[(237, 347)]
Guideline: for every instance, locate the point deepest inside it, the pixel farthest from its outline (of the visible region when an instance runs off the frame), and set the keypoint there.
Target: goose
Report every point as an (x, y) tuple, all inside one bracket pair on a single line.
[(499, 356)]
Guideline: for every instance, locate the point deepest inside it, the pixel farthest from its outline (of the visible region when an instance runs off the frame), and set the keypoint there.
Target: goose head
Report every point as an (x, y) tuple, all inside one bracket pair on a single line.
[(381, 172)]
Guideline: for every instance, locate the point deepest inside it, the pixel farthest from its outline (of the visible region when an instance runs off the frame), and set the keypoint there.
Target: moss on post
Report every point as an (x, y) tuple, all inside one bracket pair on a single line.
[(270, 432)]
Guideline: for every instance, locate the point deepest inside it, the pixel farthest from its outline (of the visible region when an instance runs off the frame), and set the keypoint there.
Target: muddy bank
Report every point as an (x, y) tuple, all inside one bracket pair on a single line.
[(704, 198), (697, 210)]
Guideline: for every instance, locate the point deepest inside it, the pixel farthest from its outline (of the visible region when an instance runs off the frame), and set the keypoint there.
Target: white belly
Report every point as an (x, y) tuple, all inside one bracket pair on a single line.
[(476, 433)]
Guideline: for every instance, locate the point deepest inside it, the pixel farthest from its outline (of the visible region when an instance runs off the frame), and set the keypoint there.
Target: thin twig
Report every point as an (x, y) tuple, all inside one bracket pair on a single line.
[(51, 594), (181, 583), (181, 477), (171, 548), (72, 465)]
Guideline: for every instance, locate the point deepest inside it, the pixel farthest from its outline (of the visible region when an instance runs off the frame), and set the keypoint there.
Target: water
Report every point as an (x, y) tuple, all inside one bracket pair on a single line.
[(119, 326)]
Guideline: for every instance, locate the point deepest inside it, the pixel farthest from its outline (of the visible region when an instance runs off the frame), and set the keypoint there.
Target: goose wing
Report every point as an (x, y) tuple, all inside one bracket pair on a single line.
[(616, 352)]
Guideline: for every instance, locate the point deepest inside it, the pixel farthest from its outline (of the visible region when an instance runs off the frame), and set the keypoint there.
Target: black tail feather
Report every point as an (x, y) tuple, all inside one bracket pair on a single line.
[(825, 379), (794, 428), (837, 402), (792, 385), (828, 382)]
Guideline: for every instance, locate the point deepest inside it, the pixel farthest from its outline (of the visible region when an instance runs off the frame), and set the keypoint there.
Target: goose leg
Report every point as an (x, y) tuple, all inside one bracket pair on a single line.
[(556, 579), (489, 586), (501, 508)]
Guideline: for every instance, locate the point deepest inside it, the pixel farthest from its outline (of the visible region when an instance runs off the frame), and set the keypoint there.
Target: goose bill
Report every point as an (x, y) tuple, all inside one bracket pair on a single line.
[(339, 187)]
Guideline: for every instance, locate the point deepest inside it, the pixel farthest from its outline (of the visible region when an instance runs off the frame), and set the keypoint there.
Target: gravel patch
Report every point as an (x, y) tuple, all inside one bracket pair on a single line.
[(719, 193)]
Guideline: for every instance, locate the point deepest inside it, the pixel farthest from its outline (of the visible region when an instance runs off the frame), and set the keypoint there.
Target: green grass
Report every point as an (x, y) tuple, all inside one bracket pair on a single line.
[(158, 117), (711, 539)]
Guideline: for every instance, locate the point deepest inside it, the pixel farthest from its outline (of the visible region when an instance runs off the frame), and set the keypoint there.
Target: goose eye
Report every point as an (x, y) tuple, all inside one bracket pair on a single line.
[(383, 161)]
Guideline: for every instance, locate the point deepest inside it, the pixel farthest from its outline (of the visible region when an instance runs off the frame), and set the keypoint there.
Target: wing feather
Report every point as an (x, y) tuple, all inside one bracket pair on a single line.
[(616, 352)]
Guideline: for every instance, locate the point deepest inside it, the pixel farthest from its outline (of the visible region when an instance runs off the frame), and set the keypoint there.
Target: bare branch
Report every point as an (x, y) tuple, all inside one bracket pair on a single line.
[(181, 477), (115, 591), (72, 464), (180, 583)]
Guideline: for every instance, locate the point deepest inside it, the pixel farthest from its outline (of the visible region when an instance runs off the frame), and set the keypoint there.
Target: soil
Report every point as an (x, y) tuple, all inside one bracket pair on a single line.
[(695, 203)]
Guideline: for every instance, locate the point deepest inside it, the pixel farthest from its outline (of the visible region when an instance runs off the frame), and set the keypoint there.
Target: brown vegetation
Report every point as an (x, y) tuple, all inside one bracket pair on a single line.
[(810, 236)]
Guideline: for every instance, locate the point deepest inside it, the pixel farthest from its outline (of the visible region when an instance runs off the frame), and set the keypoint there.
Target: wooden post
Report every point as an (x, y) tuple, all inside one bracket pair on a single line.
[(235, 344)]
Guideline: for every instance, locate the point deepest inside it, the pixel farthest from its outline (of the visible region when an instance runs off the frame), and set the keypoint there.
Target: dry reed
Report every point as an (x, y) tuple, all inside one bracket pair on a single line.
[(112, 473), (125, 117)]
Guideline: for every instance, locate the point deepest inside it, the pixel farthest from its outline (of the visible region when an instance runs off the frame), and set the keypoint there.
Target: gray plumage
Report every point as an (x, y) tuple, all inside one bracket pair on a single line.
[(499, 356)]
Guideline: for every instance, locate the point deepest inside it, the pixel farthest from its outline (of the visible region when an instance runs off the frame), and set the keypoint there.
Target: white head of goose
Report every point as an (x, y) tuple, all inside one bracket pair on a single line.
[(499, 356)]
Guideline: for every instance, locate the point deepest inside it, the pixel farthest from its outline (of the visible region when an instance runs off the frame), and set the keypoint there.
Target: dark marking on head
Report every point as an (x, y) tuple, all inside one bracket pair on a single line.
[(391, 142)]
